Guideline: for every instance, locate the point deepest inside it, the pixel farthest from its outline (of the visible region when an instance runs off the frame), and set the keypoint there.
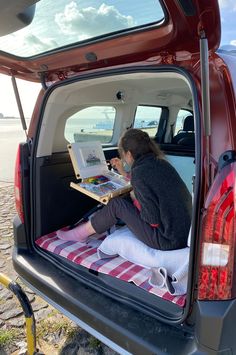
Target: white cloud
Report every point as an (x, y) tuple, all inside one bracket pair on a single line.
[(90, 22), (39, 45), (227, 4), (224, 3), (28, 44), (233, 42)]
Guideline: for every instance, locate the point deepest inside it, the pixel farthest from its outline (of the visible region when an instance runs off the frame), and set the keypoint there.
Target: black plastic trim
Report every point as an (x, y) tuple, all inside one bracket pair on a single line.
[(149, 304), (214, 328), (228, 157)]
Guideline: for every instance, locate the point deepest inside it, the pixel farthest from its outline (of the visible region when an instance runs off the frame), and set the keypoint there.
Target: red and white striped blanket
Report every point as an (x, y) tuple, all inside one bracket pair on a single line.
[(86, 255)]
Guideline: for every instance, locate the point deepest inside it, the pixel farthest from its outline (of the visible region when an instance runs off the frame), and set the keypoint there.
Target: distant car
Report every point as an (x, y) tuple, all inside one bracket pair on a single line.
[(152, 124), (156, 60)]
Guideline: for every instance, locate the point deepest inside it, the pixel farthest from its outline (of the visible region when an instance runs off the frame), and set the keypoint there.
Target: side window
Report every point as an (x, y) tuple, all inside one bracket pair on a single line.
[(147, 119), (182, 114), (93, 123)]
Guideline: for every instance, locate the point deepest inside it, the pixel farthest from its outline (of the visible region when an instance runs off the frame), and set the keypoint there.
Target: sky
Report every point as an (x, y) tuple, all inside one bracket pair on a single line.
[(76, 20), (228, 24), (28, 93)]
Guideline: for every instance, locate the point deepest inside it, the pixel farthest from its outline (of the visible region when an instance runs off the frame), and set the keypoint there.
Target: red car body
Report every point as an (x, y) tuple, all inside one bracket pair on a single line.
[(178, 43)]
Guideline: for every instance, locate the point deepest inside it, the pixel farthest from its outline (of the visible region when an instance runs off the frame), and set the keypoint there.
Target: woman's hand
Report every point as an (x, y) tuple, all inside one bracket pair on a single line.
[(117, 164)]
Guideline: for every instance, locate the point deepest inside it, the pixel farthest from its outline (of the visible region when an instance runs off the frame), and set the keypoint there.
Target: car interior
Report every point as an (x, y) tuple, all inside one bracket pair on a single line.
[(185, 136), (101, 108)]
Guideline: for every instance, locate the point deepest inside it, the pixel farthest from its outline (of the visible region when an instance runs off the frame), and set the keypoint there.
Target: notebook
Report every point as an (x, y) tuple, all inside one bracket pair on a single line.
[(91, 169)]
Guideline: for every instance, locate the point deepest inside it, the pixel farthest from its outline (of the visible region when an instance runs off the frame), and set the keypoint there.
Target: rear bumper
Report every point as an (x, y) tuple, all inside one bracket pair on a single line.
[(215, 326)]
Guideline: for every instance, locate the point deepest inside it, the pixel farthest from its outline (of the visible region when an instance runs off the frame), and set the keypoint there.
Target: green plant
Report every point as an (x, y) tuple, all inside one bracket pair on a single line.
[(53, 312), (94, 343), (7, 336), (51, 326)]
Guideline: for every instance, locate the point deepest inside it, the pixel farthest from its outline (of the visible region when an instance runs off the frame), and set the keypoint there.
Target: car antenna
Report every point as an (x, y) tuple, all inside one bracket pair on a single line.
[(18, 101)]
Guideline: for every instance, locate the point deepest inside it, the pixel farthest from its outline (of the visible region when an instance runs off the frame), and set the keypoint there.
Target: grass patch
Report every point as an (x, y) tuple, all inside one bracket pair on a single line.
[(94, 343), (53, 313), (2, 301), (50, 326), (7, 336)]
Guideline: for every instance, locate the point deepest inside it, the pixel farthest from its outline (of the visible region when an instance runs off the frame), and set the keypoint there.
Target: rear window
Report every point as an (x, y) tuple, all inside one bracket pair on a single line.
[(147, 119), (94, 123), (60, 23)]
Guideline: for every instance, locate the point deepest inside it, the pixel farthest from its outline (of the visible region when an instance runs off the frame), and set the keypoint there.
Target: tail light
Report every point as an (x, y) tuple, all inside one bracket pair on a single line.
[(217, 265), (18, 187)]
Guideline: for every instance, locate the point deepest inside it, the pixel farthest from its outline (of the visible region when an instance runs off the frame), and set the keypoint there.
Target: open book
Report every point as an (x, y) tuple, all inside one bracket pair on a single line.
[(96, 180)]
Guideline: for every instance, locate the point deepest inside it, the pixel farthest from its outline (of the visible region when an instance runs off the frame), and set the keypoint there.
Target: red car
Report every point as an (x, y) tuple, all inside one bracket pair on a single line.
[(104, 69)]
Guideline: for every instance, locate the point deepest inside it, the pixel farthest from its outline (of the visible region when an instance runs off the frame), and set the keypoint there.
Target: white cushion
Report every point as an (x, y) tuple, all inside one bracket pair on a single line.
[(169, 269), (124, 243)]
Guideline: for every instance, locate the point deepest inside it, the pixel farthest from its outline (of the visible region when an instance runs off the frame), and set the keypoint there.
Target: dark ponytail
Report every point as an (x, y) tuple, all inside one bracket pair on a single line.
[(138, 143)]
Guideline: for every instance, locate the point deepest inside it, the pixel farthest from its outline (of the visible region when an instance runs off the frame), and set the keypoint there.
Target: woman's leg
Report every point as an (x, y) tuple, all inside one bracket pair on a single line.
[(78, 234), (106, 218), (84, 230), (125, 210)]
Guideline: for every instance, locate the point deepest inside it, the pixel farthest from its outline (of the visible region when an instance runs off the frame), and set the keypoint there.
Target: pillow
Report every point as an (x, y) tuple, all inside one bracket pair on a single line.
[(124, 243), (169, 269)]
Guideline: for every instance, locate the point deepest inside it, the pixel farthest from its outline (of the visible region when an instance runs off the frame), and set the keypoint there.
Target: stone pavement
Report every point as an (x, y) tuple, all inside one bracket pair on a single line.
[(6, 184), (11, 315)]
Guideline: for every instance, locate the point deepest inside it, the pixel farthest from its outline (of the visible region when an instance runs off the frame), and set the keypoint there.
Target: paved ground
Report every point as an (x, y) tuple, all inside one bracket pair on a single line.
[(57, 335), (5, 184)]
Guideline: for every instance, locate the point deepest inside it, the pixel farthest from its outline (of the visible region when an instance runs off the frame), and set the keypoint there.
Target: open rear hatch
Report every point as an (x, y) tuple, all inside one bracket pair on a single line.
[(65, 40)]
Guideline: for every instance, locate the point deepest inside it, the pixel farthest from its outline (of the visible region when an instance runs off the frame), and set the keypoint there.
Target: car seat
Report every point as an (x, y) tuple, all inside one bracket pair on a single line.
[(186, 136)]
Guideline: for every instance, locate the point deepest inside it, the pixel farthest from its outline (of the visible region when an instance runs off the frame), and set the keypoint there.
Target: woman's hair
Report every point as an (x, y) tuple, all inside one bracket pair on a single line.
[(138, 143)]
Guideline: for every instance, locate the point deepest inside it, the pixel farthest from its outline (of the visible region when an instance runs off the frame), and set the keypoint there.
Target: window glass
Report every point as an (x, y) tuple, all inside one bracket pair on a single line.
[(94, 123), (63, 22), (182, 114), (147, 119)]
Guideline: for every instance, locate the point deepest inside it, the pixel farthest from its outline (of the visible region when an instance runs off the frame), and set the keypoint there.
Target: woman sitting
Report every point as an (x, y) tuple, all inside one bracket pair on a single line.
[(159, 210)]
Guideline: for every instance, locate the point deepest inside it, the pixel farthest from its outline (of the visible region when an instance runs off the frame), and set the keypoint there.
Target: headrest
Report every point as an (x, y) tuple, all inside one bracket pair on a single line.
[(188, 124)]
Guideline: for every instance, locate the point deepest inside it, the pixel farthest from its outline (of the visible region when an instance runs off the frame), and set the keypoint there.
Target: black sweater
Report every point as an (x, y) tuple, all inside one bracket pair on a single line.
[(164, 199)]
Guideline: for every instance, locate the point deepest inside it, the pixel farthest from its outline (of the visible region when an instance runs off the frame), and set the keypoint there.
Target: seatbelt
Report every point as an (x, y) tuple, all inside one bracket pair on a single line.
[(159, 137), (172, 131)]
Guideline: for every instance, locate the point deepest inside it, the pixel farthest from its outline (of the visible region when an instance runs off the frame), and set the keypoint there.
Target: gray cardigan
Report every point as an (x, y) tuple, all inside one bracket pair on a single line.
[(164, 199)]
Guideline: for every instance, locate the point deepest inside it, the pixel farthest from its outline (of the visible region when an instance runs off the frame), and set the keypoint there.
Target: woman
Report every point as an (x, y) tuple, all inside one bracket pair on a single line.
[(160, 213)]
